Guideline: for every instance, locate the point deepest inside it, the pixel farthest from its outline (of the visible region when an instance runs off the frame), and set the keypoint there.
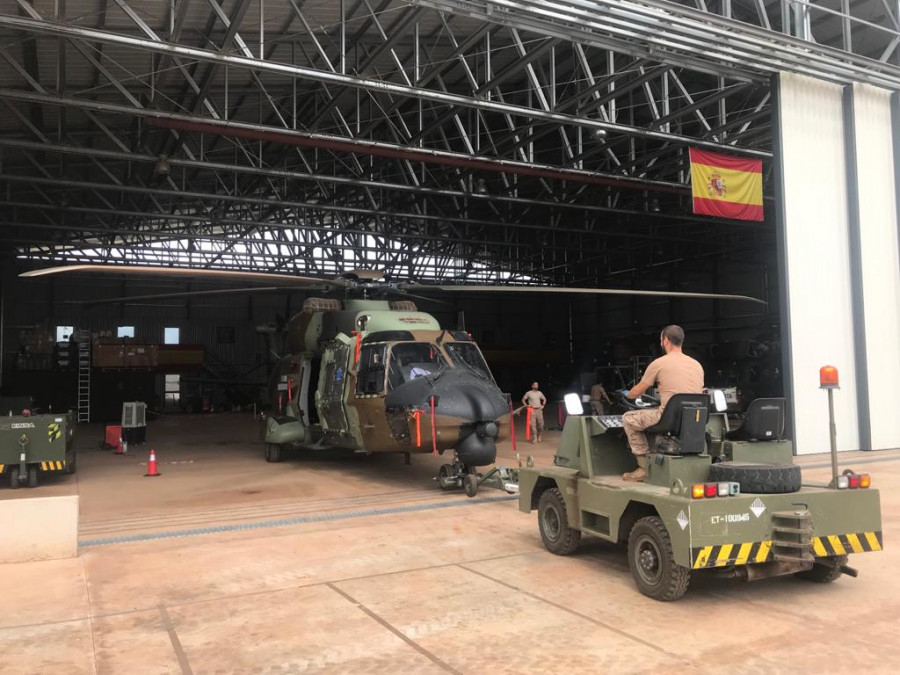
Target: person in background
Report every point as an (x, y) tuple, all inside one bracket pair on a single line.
[(535, 400), (598, 396)]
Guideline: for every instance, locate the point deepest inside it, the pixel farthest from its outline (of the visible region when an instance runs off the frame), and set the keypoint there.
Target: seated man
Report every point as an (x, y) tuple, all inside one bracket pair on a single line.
[(675, 373)]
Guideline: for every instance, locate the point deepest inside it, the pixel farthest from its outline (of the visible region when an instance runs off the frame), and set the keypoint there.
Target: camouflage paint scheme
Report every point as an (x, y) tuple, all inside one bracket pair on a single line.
[(708, 532), (331, 333)]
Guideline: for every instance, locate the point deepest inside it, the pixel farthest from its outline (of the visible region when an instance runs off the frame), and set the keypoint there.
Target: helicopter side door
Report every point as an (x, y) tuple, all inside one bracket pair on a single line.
[(367, 399), (332, 382)]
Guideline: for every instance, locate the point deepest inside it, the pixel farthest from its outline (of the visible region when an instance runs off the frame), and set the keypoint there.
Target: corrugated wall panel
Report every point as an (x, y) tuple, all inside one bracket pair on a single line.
[(817, 259)]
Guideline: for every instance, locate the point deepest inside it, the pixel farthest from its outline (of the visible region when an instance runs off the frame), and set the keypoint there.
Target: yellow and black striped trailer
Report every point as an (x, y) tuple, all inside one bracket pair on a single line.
[(35, 444)]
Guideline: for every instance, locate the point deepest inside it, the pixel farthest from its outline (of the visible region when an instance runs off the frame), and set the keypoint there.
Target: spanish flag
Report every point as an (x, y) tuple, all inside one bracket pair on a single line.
[(726, 186)]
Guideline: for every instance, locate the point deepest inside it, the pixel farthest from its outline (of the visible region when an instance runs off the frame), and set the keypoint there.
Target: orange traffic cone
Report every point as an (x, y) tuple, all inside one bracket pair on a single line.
[(120, 448), (152, 469)]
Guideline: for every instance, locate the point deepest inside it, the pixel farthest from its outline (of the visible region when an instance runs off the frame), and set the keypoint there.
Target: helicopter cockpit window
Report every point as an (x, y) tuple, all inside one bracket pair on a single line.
[(370, 375), (410, 360), (467, 354)]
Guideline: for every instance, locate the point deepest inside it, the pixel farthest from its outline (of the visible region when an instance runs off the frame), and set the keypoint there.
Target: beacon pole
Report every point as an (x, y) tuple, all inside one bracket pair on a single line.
[(828, 379)]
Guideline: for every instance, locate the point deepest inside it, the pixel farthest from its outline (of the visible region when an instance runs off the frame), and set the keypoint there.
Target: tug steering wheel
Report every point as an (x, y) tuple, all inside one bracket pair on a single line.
[(642, 402)]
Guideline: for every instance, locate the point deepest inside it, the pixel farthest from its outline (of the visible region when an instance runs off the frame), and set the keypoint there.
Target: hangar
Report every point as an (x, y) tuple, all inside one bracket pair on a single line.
[(526, 143), (469, 141)]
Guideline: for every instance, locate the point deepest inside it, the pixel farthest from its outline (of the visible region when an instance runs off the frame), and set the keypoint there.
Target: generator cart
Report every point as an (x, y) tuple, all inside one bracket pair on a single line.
[(36, 443), (713, 498)]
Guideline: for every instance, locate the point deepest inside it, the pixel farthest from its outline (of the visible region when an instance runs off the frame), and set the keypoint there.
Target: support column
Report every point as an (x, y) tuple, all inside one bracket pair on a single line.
[(858, 304)]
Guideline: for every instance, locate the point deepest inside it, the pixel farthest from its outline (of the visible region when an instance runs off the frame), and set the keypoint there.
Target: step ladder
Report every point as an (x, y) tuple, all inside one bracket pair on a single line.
[(84, 381)]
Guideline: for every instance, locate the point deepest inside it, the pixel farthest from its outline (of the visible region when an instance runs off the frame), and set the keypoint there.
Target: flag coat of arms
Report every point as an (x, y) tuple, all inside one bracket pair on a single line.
[(726, 186)]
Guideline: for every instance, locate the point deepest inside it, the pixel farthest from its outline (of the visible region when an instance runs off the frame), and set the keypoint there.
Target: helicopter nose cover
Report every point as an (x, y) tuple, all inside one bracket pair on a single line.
[(474, 400), (457, 393)]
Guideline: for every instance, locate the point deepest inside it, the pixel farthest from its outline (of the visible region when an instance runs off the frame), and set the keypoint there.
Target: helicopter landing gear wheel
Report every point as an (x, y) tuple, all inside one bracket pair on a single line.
[(447, 477), (470, 483), (273, 452)]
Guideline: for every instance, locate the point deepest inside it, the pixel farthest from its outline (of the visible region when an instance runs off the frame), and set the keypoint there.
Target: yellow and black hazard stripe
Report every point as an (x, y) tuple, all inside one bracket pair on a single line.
[(53, 432), (724, 555), (53, 465), (842, 544)]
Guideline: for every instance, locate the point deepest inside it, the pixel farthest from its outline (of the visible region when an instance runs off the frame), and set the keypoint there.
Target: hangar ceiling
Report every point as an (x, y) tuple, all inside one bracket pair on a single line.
[(476, 140)]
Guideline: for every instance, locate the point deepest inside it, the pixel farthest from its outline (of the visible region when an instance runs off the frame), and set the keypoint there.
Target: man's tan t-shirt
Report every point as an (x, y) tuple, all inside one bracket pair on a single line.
[(533, 398), (597, 392), (675, 373)]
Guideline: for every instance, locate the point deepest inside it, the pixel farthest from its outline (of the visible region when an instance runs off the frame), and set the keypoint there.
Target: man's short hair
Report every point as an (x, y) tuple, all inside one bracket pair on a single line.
[(675, 335)]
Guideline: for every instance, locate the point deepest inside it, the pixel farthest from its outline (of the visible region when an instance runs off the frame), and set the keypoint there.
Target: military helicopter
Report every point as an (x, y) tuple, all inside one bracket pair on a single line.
[(373, 374)]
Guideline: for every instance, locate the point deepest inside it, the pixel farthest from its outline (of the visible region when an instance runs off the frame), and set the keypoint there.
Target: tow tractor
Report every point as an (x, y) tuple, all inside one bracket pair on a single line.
[(714, 498), (31, 445)]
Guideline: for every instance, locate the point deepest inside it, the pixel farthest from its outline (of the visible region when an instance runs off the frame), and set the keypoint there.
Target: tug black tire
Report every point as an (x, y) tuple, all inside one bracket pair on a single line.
[(32, 476), (14, 481), (553, 522), (652, 561), (825, 570), (764, 479)]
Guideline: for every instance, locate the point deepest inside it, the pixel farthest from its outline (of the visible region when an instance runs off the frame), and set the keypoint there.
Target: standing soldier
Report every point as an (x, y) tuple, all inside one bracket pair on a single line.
[(535, 401), (598, 395)]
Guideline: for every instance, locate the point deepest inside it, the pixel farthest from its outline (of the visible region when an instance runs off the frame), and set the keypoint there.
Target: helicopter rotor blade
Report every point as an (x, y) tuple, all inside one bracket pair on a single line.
[(425, 288), (191, 273), (406, 294), (185, 294)]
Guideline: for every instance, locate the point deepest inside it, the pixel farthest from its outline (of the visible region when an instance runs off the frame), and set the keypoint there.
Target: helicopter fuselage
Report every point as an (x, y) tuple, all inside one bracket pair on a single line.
[(377, 377)]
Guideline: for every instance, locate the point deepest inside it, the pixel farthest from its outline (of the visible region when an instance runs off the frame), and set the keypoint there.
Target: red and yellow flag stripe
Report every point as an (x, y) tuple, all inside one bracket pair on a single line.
[(726, 186)]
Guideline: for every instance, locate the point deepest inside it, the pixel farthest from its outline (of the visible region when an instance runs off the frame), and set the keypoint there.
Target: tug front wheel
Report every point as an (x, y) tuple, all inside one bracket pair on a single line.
[(652, 561)]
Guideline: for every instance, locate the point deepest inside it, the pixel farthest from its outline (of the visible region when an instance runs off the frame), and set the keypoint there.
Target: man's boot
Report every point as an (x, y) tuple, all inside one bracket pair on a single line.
[(640, 473)]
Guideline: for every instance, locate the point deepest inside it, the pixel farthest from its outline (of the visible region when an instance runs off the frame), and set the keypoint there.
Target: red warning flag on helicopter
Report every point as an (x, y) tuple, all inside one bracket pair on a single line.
[(726, 186)]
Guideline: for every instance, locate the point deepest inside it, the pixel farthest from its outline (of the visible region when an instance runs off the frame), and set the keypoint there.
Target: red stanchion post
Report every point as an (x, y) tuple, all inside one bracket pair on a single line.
[(433, 429), (528, 414), (512, 425)]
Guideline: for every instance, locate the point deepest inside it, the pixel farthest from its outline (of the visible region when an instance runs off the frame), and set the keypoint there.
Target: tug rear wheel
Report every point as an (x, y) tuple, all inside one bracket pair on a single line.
[(553, 521)]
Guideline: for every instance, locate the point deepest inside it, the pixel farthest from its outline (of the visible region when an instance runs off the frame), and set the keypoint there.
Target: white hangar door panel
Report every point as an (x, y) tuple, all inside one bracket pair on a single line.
[(879, 258), (814, 242)]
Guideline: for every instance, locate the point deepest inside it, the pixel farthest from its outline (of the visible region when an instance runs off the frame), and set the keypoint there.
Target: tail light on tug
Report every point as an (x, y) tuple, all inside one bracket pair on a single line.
[(851, 481), (710, 490)]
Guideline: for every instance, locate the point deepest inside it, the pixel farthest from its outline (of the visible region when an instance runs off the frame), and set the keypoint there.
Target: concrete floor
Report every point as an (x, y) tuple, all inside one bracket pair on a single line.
[(449, 585)]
